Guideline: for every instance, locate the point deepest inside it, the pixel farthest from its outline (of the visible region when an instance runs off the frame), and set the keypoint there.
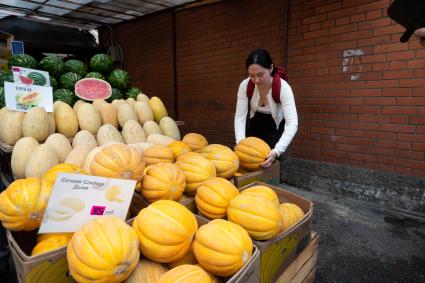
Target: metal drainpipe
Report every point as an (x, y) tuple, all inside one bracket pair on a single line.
[(285, 33), (176, 109)]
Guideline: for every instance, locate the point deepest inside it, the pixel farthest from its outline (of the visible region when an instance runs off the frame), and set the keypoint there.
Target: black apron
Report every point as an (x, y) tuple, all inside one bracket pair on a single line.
[(264, 127)]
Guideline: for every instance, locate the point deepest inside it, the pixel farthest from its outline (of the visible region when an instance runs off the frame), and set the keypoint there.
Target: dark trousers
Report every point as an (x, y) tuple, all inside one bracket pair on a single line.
[(263, 126)]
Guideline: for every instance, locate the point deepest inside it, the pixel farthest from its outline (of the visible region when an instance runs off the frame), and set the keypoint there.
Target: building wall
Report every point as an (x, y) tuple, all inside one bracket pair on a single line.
[(360, 93)]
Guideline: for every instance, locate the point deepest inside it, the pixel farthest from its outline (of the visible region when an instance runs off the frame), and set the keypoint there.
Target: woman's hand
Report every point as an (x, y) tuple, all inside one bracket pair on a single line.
[(269, 159), (420, 33)]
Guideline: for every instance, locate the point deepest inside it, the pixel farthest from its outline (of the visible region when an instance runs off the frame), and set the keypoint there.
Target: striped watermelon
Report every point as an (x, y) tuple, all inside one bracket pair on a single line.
[(53, 83), (95, 75), (23, 60), (64, 95), (133, 92), (68, 80), (101, 63), (116, 94), (52, 64), (75, 66), (2, 100), (119, 79), (38, 79), (91, 89)]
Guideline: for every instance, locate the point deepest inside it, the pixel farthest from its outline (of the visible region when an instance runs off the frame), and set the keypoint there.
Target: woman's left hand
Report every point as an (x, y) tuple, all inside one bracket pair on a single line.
[(270, 158)]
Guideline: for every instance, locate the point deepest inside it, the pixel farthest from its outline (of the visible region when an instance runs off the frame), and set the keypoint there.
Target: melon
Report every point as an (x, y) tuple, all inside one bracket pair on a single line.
[(43, 158), (84, 137), (61, 144), (89, 118), (91, 89), (108, 133), (170, 128), (132, 132), (108, 115), (143, 111), (22, 151), (151, 127)]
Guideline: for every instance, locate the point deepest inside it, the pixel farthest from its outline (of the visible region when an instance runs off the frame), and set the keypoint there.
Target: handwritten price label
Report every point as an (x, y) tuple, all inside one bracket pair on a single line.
[(97, 210)]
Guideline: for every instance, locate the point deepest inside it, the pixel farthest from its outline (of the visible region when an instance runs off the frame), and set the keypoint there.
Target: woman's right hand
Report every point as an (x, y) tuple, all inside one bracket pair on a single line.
[(420, 33)]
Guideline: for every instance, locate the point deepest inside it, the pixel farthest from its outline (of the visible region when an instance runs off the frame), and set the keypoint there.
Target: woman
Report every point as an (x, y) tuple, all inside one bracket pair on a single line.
[(272, 112)]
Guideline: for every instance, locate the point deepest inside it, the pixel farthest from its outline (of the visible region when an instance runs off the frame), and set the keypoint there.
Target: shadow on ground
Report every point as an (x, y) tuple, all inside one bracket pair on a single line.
[(362, 242)]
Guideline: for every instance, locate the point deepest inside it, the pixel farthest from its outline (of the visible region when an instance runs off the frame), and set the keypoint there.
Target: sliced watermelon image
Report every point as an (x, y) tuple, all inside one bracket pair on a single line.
[(25, 80), (91, 89)]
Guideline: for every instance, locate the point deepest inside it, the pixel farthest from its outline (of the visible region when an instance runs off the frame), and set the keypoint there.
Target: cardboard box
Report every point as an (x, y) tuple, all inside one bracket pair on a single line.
[(5, 45), (249, 273), (270, 175), (276, 254), (139, 201), (48, 267)]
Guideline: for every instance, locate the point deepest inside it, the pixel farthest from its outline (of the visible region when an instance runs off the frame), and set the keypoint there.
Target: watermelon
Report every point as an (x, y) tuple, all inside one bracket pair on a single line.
[(23, 60), (53, 83), (119, 79), (64, 95), (116, 94), (75, 66), (91, 89), (26, 80), (133, 92), (7, 77), (68, 80), (95, 75), (38, 78), (53, 65), (2, 101), (101, 63)]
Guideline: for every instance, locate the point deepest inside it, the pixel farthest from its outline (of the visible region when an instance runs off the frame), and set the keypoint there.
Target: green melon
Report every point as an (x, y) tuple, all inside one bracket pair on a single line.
[(68, 80), (101, 63), (116, 94), (95, 75), (38, 79), (23, 60), (6, 77), (75, 66), (64, 95), (119, 79), (133, 92), (53, 83), (52, 64)]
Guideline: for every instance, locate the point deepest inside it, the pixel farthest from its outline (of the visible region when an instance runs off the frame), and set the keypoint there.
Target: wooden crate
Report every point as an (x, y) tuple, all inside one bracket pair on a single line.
[(303, 268)]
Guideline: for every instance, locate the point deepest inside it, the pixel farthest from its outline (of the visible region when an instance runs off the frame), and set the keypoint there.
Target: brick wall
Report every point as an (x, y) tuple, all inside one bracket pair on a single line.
[(213, 42), (148, 47), (360, 93)]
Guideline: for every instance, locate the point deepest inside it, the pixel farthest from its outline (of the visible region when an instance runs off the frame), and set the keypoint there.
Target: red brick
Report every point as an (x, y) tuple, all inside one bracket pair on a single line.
[(335, 108), (342, 21), (420, 73), (349, 101), (366, 117), (391, 47), (336, 124), (409, 154), (419, 91), (360, 141), (380, 66), (375, 40), (419, 147), (397, 110), (417, 120), (380, 101), (397, 65), (411, 101), (380, 135), (323, 131), (382, 84), (371, 24), (366, 92), (397, 128), (342, 13), (400, 55), (396, 92), (420, 53), (385, 30), (398, 74), (399, 119), (364, 126), (366, 109), (334, 153), (349, 133), (373, 14), (358, 18), (412, 82), (395, 144), (419, 138), (416, 64), (362, 157)]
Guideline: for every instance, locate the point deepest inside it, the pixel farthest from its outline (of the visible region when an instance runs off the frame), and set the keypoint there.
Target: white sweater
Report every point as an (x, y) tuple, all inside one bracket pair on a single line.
[(284, 110)]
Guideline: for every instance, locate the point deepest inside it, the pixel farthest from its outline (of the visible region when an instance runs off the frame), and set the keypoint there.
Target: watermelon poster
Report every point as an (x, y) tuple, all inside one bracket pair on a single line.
[(30, 76), (21, 97)]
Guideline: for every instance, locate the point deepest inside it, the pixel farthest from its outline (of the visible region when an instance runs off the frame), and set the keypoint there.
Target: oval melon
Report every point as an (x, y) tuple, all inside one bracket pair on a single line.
[(84, 137), (88, 118), (65, 119), (61, 144), (43, 158), (151, 127), (158, 108), (36, 124), (99, 102), (143, 97), (22, 151), (108, 115), (143, 111), (77, 105), (78, 155), (52, 123), (12, 124), (132, 132), (125, 113), (108, 133), (159, 139), (170, 128)]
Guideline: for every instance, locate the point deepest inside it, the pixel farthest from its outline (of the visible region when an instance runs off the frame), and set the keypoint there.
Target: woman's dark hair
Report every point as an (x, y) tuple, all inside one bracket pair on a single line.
[(261, 57)]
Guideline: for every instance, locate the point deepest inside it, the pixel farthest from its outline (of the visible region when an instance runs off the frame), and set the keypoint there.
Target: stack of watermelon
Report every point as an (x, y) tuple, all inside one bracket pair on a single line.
[(109, 83)]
